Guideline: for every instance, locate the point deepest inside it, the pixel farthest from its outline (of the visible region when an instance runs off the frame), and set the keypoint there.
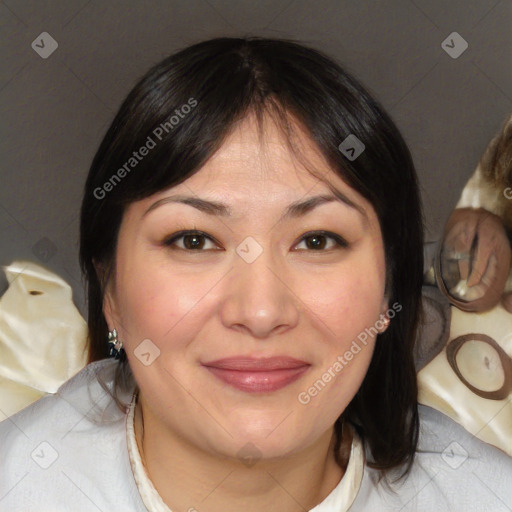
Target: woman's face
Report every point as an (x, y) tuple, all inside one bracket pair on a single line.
[(248, 332)]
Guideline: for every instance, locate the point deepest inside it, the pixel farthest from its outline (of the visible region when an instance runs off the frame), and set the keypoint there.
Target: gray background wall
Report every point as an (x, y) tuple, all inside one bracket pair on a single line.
[(54, 111)]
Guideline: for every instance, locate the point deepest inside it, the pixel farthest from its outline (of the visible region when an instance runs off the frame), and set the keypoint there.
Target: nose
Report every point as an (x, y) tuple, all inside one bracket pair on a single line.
[(259, 299)]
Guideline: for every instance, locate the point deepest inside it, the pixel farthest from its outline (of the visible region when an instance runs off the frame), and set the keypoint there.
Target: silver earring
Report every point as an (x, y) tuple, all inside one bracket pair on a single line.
[(115, 347)]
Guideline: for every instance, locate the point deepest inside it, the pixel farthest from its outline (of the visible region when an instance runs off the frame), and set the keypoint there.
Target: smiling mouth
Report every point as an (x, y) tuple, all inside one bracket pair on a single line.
[(253, 375)]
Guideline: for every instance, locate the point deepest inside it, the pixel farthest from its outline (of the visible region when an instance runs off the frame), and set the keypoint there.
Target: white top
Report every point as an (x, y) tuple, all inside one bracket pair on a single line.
[(75, 450)]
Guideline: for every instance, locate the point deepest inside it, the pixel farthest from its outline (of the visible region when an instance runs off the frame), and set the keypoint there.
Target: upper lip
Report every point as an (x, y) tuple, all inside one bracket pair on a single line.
[(254, 364)]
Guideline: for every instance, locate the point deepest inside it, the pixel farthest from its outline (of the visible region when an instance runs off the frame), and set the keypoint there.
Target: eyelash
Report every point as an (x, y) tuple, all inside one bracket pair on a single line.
[(170, 241)]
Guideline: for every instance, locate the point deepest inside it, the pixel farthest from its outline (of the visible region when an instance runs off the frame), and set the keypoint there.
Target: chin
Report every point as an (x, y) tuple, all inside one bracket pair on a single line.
[(249, 448), (259, 424), (275, 439)]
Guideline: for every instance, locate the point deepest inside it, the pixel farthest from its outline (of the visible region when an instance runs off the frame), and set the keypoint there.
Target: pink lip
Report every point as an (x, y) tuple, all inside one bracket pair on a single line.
[(254, 375)]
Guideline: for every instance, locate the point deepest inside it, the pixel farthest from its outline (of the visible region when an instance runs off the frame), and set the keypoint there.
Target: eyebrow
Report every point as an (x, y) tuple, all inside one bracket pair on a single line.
[(294, 210)]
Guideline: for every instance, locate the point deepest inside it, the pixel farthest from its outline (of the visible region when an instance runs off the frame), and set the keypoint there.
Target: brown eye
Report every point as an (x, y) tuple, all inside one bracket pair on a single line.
[(189, 241), (318, 240), (193, 241)]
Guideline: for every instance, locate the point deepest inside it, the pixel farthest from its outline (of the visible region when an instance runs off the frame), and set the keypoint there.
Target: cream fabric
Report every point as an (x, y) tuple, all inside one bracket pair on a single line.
[(440, 387), (42, 336)]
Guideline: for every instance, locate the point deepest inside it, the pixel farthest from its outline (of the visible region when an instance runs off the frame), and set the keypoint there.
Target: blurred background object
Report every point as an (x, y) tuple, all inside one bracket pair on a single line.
[(42, 336)]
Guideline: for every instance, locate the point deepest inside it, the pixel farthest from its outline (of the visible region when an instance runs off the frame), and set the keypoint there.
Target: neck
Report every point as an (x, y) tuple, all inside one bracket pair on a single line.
[(188, 478)]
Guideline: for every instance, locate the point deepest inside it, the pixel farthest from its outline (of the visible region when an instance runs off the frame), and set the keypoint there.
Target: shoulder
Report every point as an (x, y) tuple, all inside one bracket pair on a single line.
[(67, 449), (82, 395), (452, 471)]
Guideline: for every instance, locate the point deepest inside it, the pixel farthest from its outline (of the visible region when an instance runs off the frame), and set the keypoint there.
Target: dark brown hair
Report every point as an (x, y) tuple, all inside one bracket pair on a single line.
[(228, 78)]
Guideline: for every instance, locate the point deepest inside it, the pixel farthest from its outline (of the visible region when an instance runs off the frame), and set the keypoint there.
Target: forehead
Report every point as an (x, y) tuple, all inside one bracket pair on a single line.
[(256, 163), (264, 152)]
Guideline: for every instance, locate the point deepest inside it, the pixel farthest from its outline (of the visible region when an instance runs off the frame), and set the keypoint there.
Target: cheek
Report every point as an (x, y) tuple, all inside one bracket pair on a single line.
[(349, 300), (345, 352), (153, 300), (346, 307)]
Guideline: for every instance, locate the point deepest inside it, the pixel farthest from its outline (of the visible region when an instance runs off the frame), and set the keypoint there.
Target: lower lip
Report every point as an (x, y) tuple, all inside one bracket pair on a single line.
[(258, 382)]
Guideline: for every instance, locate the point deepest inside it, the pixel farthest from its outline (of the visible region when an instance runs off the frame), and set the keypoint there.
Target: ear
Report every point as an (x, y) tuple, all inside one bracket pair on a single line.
[(107, 284), (110, 308), (384, 320), (385, 304)]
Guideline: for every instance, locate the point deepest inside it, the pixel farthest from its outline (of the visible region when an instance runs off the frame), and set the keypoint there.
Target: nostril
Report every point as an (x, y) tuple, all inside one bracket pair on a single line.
[(35, 292)]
